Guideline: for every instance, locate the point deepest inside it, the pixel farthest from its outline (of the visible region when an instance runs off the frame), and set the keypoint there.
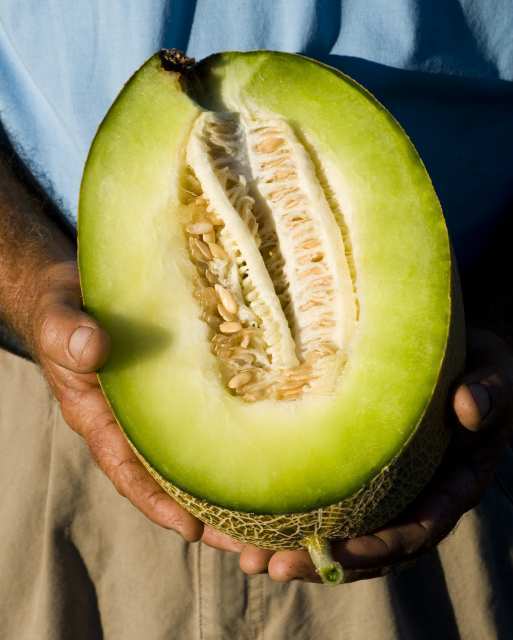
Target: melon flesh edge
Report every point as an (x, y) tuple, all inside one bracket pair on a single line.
[(340, 451)]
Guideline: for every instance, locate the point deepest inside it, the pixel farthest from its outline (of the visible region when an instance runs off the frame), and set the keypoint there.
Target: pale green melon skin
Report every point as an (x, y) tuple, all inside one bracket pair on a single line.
[(368, 452)]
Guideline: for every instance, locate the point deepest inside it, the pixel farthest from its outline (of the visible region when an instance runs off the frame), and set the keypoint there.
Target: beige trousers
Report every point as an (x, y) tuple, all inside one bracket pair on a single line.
[(78, 561)]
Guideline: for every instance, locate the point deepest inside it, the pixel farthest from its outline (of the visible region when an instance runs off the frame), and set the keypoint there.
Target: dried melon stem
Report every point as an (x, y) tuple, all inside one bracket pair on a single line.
[(272, 276), (329, 570)]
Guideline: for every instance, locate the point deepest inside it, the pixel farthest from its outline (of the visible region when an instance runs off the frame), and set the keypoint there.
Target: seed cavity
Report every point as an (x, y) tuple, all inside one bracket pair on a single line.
[(273, 279)]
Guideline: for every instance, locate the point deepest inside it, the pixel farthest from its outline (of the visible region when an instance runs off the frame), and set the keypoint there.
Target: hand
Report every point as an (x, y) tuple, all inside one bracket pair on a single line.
[(483, 412), (70, 346)]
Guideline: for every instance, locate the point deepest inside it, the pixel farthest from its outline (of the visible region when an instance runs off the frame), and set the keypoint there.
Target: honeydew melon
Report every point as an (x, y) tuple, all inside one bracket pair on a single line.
[(265, 247)]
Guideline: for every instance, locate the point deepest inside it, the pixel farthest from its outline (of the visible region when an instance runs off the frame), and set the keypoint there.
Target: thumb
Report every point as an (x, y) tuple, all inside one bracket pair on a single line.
[(482, 400), (71, 338)]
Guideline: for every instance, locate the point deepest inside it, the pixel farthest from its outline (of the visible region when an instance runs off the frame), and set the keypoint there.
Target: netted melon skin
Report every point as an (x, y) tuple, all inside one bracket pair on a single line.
[(375, 504)]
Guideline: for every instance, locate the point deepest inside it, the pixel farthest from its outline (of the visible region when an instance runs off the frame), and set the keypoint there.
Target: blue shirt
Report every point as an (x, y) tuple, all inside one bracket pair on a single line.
[(443, 67)]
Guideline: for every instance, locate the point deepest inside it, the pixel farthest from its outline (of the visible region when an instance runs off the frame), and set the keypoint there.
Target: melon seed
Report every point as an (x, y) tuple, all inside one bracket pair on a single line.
[(225, 315), (217, 251), (227, 299), (239, 380), (230, 327)]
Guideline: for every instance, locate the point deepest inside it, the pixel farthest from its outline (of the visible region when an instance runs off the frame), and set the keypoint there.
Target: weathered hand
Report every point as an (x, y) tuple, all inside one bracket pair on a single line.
[(70, 347), (483, 414)]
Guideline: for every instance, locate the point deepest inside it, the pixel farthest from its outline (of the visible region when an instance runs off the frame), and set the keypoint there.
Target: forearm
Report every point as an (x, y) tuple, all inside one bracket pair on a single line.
[(30, 243)]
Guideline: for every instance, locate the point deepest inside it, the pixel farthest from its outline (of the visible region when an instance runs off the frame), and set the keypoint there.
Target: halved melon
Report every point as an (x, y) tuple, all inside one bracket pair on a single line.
[(265, 247)]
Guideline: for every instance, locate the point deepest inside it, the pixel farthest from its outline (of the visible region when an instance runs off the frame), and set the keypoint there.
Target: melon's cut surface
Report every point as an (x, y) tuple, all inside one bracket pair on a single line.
[(265, 247)]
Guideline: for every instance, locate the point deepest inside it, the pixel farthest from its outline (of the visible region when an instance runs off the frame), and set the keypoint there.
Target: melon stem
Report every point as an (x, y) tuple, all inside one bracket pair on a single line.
[(329, 570)]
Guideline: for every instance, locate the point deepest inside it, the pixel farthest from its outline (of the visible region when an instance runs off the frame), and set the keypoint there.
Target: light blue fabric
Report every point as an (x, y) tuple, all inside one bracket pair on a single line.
[(443, 67)]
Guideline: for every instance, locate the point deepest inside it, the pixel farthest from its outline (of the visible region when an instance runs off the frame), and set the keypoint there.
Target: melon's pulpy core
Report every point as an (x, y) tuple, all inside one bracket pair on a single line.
[(272, 275), (265, 248)]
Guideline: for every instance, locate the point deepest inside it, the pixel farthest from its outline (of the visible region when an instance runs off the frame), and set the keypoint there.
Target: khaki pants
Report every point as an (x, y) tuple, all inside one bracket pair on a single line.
[(77, 561)]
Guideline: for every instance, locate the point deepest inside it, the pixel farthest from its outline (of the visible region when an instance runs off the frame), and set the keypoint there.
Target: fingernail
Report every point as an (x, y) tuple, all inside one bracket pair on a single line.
[(77, 342), (481, 397)]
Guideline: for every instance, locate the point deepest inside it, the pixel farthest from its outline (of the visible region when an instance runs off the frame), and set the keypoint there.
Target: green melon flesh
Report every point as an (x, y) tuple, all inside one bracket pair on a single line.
[(162, 379)]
